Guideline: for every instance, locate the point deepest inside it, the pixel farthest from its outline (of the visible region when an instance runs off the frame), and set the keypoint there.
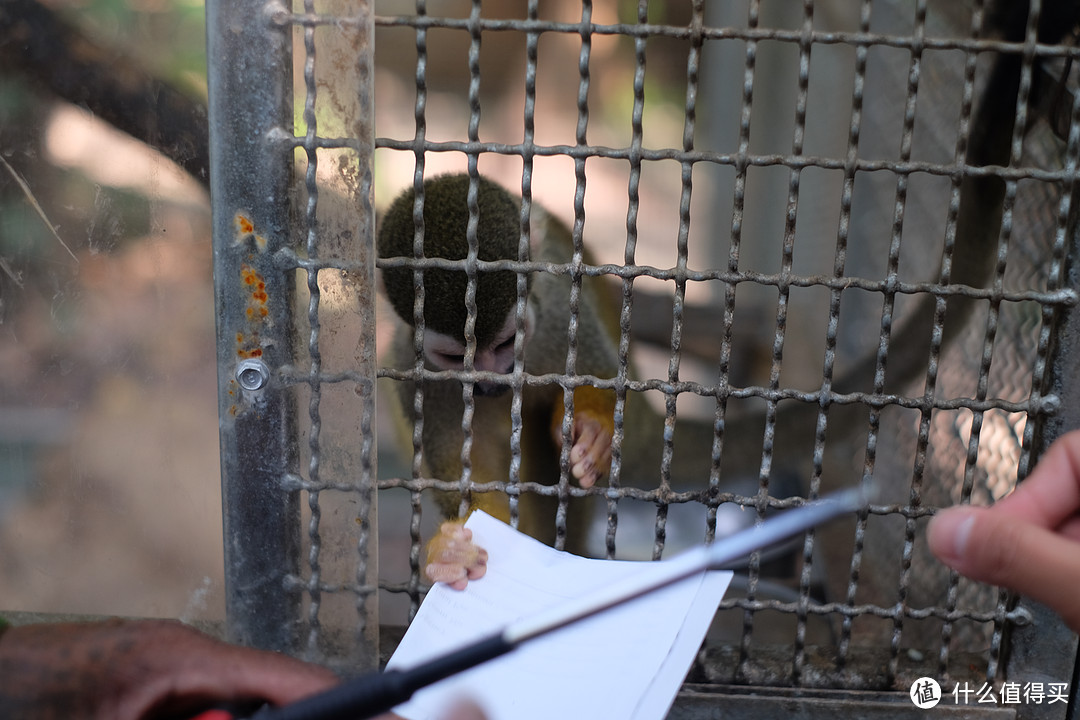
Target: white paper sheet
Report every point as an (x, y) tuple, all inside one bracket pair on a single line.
[(627, 662)]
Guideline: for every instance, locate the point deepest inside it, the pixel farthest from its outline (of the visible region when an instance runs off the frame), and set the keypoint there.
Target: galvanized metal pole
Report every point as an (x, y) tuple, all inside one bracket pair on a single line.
[(250, 94)]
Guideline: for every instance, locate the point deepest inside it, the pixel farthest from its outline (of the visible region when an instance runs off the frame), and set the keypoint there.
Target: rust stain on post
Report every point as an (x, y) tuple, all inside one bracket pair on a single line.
[(248, 344)]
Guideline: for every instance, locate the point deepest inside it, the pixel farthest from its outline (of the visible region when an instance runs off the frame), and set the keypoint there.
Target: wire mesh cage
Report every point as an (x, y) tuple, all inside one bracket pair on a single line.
[(804, 246)]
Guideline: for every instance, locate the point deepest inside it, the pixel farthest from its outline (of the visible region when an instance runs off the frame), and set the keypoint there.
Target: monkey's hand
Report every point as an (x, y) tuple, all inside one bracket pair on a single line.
[(594, 427), (453, 558)]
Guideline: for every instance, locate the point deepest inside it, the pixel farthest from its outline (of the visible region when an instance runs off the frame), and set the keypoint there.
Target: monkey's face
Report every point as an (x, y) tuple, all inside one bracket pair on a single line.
[(445, 352)]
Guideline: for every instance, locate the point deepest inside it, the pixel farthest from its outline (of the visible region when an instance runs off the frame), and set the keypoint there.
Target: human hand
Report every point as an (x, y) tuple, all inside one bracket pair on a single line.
[(138, 669), (1030, 540)]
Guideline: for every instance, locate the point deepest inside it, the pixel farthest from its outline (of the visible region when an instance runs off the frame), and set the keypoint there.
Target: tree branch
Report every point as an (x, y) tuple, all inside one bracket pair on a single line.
[(37, 44)]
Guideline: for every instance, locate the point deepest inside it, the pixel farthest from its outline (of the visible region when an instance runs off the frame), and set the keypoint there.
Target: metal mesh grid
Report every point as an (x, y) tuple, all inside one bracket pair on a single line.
[(927, 378), (988, 622)]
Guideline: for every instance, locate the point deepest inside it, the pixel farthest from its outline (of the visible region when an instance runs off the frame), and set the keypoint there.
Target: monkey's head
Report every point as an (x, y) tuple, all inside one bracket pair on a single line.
[(446, 217)]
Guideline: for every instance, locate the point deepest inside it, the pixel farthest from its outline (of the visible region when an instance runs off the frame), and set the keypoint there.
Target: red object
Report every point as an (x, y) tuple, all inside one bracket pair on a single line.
[(215, 714)]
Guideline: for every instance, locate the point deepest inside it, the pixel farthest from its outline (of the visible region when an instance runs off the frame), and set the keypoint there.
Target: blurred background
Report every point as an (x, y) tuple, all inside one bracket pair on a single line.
[(109, 481)]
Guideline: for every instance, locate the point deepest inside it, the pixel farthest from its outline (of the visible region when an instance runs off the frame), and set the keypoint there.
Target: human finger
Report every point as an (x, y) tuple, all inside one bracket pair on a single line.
[(1011, 552)]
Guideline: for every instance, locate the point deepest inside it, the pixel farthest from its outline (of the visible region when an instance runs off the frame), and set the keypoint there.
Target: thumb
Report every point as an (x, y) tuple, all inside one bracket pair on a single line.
[(1003, 550)]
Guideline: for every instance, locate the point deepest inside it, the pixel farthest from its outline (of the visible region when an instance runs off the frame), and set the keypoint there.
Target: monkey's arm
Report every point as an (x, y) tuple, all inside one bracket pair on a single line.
[(593, 423), (450, 556)]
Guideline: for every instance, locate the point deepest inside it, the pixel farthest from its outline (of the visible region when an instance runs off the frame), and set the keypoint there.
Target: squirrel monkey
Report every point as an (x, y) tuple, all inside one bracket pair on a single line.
[(451, 555)]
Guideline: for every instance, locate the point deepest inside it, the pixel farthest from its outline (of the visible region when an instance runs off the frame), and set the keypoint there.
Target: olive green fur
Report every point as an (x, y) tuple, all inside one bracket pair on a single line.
[(446, 218)]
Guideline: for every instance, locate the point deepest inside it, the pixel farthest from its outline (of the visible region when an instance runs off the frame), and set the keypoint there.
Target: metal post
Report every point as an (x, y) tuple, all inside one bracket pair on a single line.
[(250, 102)]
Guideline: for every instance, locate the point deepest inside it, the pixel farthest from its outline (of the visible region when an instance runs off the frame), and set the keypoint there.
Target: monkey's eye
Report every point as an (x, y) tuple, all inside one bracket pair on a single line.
[(507, 344)]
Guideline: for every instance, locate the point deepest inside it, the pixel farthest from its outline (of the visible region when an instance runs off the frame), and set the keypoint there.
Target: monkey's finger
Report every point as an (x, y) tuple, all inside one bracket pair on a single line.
[(593, 466), (585, 473), (585, 433), (590, 457), (581, 456), (478, 569), (457, 574), (582, 464), (1012, 552), (594, 444), (453, 574)]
